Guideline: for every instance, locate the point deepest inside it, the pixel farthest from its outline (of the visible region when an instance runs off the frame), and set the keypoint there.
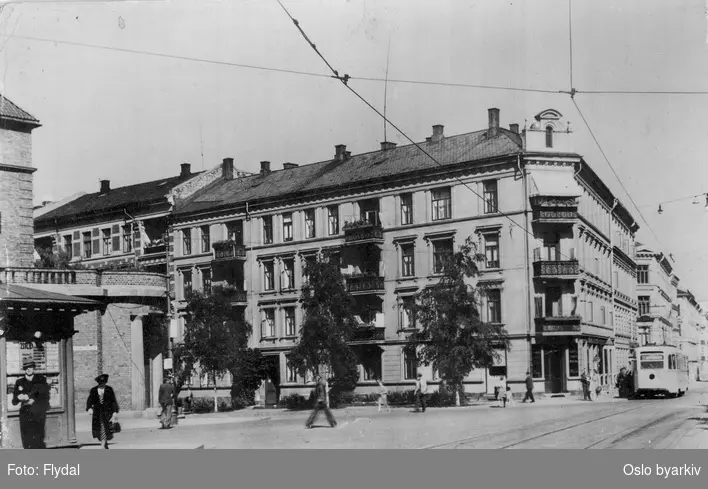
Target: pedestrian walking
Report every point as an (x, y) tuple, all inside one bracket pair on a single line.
[(165, 397), (103, 408), (595, 385), (32, 392), (621, 382), (529, 388), (501, 387), (421, 391), (510, 396), (383, 396), (585, 382), (320, 404)]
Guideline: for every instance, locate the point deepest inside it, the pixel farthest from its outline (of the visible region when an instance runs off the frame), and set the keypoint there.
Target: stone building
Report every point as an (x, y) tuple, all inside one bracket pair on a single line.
[(558, 269)]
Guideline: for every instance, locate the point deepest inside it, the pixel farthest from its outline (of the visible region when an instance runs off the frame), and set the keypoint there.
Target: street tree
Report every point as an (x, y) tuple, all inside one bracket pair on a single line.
[(327, 328), (451, 334), (214, 336)]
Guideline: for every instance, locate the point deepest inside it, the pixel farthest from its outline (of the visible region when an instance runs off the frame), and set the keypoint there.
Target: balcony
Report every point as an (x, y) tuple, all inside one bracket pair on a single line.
[(558, 324), (364, 284), (562, 269), (154, 249), (238, 297), (554, 216), (363, 232), (368, 333), (228, 250)]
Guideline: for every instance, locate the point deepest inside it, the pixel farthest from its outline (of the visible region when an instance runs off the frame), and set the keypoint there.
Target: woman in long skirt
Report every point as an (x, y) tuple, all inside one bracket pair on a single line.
[(103, 407), (383, 396)]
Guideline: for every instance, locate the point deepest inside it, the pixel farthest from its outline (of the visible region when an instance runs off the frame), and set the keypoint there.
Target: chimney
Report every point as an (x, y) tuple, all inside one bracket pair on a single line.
[(227, 169), (514, 128), (493, 123), (437, 133), (288, 166), (265, 167), (105, 186), (385, 145), (347, 155), (339, 151), (186, 170)]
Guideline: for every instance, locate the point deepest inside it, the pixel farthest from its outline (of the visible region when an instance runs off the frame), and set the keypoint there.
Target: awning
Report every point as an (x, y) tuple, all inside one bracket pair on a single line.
[(554, 183), (10, 293)]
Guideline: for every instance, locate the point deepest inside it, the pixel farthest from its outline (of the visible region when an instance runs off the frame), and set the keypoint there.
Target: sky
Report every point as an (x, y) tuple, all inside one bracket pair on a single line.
[(127, 116)]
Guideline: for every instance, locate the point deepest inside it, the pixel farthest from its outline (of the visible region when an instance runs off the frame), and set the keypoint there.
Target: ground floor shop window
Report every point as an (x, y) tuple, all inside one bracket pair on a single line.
[(537, 362), (573, 362), (45, 356)]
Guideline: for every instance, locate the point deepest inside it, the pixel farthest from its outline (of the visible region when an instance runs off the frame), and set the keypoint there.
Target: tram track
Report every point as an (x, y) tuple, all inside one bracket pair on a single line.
[(460, 442)]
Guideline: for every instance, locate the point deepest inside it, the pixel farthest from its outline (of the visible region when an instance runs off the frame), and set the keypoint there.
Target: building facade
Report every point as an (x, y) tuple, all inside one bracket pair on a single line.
[(691, 322), (657, 288), (553, 238)]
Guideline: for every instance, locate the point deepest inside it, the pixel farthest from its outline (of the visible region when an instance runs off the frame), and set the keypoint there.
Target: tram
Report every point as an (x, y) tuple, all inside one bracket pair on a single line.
[(660, 370)]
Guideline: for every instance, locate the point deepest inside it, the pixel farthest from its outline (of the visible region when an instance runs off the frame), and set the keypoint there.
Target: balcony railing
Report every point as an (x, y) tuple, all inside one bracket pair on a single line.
[(549, 269), (229, 250), (365, 283), (555, 215), (558, 324), (238, 296), (362, 231), (366, 333), (154, 249)]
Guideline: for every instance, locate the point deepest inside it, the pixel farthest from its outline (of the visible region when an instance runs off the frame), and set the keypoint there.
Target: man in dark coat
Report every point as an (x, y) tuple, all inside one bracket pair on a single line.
[(320, 404), (166, 399), (32, 391), (529, 388), (102, 405)]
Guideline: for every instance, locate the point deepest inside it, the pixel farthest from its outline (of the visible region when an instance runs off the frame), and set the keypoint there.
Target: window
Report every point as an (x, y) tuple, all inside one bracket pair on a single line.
[(591, 311), (643, 274), (106, 238), (491, 250), (288, 274), (206, 281), (442, 204), (186, 283), (442, 252), (644, 305), (308, 260), (554, 302), (268, 278), (651, 360), (267, 229), (187, 242), (410, 364), (127, 238), (67, 244), (549, 136), (494, 306), (491, 200), (290, 321), (291, 373), (206, 239), (573, 362), (371, 364), (406, 209), (268, 324), (370, 211), (408, 260), (287, 227), (407, 313), (87, 244), (310, 230), (602, 315), (536, 361), (333, 220), (234, 231)]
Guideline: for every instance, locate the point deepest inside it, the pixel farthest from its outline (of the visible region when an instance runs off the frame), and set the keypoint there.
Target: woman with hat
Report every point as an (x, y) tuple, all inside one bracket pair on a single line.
[(103, 407), (32, 392)]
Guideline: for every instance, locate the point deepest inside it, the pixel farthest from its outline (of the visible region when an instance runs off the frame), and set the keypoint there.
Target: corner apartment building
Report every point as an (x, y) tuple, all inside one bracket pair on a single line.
[(657, 288), (558, 269)]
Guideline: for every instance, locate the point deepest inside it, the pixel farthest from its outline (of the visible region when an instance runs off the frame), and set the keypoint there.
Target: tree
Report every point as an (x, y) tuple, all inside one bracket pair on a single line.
[(213, 338), (248, 371), (59, 259), (328, 327), (452, 337)]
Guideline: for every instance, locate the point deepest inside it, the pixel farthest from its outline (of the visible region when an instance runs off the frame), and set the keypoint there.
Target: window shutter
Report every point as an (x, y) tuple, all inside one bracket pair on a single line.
[(96, 246), (136, 239), (77, 235), (96, 233), (116, 242), (77, 249)]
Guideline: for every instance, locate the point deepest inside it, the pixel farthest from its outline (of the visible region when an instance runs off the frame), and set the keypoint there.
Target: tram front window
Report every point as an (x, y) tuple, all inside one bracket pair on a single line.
[(651, 360)]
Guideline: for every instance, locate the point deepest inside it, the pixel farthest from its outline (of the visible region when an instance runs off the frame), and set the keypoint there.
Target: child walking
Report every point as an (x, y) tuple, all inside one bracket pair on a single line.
[(383, 396)]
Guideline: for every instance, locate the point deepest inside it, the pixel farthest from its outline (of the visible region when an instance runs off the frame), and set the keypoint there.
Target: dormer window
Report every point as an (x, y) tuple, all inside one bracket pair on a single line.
[(549, 136)]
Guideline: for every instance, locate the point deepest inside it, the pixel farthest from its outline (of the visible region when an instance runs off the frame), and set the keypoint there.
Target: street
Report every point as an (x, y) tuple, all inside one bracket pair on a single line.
[(549, 423)]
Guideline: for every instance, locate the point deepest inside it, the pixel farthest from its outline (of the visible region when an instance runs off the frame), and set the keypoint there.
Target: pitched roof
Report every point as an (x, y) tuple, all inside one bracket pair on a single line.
[(17, 293), (358, 169), (122, 197), (8, 110)]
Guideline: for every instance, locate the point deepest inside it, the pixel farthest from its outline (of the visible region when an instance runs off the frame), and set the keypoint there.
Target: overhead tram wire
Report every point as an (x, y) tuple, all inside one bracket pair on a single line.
[(346, 78)]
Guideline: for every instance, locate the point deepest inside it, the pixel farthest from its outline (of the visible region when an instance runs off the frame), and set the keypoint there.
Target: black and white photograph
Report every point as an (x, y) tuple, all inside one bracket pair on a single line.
[(353, 224)]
